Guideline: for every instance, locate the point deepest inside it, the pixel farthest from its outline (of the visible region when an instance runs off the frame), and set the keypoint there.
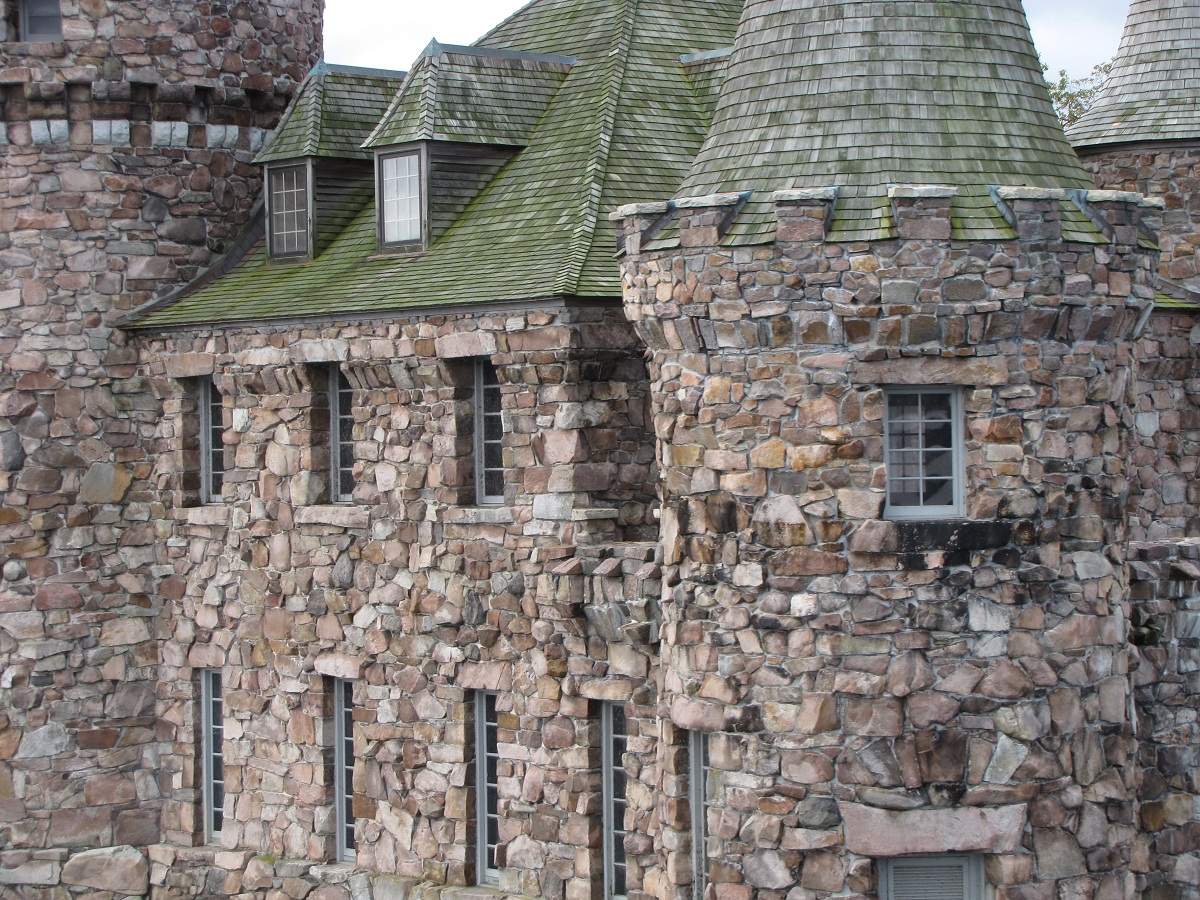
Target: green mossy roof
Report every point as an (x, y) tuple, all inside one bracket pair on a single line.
[(1153, 91), (863, 95), (334, 111), (472, 95), (623, 127)]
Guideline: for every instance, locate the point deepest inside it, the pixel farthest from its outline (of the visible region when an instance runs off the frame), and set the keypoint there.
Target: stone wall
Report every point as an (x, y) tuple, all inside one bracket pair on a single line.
[(875, 688), (125, 169), (549, 599)]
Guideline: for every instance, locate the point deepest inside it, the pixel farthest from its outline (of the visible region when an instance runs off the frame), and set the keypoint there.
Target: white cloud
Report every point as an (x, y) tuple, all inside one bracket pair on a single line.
[(1071, 34)]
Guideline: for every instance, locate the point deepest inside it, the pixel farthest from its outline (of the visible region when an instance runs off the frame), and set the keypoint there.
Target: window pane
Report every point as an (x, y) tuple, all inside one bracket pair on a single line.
[(939, 434), (400, 201), (937, 406)]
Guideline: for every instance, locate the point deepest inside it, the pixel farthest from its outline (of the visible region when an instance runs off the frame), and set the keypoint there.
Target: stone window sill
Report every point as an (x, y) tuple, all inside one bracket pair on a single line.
[(341, 515), (209, 514)]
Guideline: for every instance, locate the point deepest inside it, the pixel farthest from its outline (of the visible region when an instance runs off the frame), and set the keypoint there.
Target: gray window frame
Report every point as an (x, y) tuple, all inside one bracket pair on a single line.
[(209, 397), (25, 30), (420, 242), (343, 768), (479, 438), (486, 876), (212, 751), (974, 883), (341, 458), (698, 769), (955, 510), (310, 211), (612, 828)]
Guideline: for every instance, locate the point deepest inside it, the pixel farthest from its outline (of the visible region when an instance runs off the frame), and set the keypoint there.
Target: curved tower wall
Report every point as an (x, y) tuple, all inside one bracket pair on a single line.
[(125, 153)]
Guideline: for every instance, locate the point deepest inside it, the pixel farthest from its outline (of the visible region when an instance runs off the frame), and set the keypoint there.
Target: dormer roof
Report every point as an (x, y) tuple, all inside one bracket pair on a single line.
[(333, 112), (1153, 91), (475, 95)]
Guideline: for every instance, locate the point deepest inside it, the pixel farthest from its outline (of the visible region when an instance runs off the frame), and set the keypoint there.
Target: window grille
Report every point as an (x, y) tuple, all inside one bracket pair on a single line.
[(614, 740), (212, 733), (487, 805), (698, 774), (400, 198), (212, 441), (343, 767), (289, 210), (931, 878), (489, 435), (41, 20), (924, 453), (341, 436)]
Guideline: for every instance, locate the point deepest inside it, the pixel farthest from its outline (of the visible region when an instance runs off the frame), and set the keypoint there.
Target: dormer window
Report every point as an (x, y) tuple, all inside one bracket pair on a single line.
[(39, 20), (401, 218), (289, 211)]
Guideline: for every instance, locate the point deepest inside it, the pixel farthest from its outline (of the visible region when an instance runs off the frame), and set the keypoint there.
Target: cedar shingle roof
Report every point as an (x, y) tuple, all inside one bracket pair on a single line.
[(1153, 91), (623, 127), (862, 94), (334, 110)]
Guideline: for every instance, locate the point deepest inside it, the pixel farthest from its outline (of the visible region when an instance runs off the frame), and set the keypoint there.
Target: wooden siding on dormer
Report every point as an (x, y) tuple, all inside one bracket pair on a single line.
[(457, 173), (341, 187)]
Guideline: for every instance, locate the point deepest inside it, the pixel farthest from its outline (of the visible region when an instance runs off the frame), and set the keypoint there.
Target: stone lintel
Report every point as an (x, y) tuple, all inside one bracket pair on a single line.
[(712, 200), (1021, 192), (989, 371), (806, 195), (263, 356), (658, 208), (189, 365), (464, 344), (338, 665), (887, 833), (921, 192), (320, 351), (338, 516)]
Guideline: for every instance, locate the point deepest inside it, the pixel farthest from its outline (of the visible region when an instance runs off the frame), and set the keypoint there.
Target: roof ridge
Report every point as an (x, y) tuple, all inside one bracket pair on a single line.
[(314, 74), (429, 95), (583, 236), (316, 114), (482, 42)]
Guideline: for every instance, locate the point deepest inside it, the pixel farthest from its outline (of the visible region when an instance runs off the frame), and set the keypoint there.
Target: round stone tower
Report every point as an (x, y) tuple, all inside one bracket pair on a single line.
[(890, 332), (127, 130)]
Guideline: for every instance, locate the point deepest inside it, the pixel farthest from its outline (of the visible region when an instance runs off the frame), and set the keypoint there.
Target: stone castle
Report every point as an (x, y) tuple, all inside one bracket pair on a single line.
[(728, 451)]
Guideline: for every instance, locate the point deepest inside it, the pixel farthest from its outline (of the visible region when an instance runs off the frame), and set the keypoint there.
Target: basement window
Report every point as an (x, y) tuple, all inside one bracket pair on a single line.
[(289, 211), (923, 431), (932, 878), (39, 20), (400, 202)]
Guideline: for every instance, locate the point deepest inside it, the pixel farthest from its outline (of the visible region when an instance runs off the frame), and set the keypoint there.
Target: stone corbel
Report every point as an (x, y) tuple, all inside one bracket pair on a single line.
[(637, 223), (1033, 212), (804, 214)]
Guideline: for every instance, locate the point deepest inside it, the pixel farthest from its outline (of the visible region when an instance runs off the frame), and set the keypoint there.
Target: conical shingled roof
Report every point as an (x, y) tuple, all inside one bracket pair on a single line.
[(1153, 91), (863, 94)]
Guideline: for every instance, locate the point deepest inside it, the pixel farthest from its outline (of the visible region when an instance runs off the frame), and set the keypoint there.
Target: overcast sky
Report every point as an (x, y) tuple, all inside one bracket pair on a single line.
[(387, 34)]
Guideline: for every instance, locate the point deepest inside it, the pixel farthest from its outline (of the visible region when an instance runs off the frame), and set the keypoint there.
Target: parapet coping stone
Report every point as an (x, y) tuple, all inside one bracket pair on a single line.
[(801, 195), (708, 200), (657, 208), (921, 191), (1024, 192)]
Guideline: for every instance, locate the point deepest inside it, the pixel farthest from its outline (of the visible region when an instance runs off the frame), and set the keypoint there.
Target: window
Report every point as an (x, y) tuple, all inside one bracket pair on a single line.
[(343, 766), (698, 770), (341, 436), (212, 764), (487, 810), (288, 200), (923, 431), (931, 878), (489, 435), (612, 752), (400, 198), (212, 441), (40, 20)]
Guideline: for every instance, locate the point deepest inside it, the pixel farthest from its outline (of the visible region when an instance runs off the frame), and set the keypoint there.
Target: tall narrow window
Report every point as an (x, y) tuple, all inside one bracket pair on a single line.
[(41, 20), (698, 770), (489, 435), (212, 763), (288, 199), (212, 441), (924, 453), (487, 808), (400, 198), (612, 753), (341, 436), (947, 877), (343, 766)]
